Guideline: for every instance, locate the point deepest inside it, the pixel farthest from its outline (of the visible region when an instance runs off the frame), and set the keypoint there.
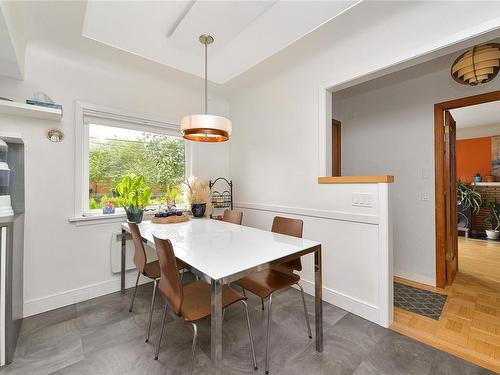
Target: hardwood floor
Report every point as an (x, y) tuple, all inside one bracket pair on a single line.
[(469, 326)]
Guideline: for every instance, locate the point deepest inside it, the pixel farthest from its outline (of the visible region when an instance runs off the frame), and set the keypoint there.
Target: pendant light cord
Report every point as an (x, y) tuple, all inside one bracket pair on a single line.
[(206, 63)]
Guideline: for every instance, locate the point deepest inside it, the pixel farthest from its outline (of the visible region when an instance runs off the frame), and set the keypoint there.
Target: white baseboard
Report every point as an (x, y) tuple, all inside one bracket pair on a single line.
[(415, 277), (70, 297), (353, 305)]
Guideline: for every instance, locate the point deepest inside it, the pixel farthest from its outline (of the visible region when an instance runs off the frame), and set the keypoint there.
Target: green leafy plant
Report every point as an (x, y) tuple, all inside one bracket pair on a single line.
[(468, 197), (134, 193), (494, 217), (172, 192)]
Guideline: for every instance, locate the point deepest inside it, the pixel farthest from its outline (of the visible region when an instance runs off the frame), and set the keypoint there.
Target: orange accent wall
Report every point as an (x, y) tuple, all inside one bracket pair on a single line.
[(473, 155)]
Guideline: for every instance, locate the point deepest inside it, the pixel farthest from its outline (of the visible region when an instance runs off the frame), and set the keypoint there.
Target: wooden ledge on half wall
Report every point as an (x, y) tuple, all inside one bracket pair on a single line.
[(356, 179)]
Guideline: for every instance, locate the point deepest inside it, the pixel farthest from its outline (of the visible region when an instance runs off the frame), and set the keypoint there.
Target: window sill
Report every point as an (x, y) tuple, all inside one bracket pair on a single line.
[(103, 219)]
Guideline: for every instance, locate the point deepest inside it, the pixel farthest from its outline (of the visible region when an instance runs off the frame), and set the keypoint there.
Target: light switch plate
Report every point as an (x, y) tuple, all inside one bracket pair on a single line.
[(362, 200)]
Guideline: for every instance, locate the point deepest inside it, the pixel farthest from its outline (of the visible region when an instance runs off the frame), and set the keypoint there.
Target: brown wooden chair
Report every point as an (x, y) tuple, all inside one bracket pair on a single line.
[(232, 216), (191, 302), (150, 270), (265, 283)]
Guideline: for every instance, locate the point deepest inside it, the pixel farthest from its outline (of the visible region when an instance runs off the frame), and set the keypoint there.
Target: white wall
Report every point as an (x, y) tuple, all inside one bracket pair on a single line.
[(63, 260), (275, 150), (388, 126), (478, 131)]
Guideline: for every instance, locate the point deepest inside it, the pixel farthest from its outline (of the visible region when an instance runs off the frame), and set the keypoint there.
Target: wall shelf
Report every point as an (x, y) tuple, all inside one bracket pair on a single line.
[(29, 110)]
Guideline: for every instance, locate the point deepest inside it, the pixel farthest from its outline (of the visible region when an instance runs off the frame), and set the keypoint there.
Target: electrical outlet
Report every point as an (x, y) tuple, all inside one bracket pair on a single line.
[(424, 196)]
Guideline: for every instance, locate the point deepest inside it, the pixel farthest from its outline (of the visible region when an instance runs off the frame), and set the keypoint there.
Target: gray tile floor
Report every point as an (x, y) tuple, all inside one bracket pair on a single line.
[(100, 336)]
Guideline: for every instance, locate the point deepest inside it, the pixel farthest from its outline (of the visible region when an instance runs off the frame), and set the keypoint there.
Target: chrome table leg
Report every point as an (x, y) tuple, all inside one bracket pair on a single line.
[(318, 291), (216, 327), (122, 265)]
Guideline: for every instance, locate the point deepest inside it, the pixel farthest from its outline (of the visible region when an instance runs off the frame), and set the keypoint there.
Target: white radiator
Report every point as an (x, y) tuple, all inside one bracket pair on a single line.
[(116, 253)]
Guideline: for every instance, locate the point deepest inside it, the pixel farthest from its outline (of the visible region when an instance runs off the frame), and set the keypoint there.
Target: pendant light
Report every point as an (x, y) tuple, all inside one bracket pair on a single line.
[(477, 65), (206, 128)]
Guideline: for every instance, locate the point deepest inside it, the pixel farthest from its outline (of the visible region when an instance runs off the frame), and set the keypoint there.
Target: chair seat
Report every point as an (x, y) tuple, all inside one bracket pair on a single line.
[(197, 300), (266, 282), (152, 269)]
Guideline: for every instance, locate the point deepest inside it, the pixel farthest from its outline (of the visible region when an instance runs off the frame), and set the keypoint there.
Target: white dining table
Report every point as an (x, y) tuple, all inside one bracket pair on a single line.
[(223, 253)]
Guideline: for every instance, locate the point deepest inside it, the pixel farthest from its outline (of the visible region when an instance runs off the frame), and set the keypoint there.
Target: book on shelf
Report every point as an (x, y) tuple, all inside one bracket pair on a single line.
[(43, 104)]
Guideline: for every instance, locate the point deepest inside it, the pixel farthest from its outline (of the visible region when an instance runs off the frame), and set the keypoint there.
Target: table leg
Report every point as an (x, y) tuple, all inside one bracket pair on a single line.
[(216, 327), (318, 292), (122, 264)]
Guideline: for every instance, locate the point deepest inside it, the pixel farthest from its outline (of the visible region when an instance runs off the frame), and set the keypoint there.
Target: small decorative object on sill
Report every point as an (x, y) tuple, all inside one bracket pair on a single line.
[(42, 104), (169, 217), (477, 177), (136, 195), (55, 135), (198, 195), (490, 178), (108, 208)]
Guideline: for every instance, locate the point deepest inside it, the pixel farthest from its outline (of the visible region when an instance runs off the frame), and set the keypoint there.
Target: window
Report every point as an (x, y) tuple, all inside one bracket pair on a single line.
[(113, 146)]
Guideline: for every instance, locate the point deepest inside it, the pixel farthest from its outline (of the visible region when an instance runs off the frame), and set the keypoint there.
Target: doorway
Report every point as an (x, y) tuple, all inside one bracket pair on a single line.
[(445, 131)]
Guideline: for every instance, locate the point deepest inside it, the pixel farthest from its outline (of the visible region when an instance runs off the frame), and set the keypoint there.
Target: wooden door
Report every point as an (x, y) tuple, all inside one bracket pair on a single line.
[(450, 187), (336, 149)]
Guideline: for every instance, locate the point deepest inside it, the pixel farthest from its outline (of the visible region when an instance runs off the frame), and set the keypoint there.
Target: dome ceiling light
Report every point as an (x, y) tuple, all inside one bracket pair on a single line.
[(206, 128), (478, 65)]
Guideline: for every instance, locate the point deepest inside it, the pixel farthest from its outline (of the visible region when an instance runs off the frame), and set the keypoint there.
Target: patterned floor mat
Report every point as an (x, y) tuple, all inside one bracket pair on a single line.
[(419, 301)]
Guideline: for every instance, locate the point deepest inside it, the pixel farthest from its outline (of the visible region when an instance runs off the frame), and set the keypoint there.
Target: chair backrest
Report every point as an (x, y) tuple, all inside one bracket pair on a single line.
[(170, 282), (140, 258), (290, 227), (232, 216)]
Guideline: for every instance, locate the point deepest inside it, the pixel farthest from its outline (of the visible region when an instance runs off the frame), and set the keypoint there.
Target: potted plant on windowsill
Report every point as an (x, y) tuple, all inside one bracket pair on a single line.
[(494, 219), (198, 195), (135, 195), (477, 177)]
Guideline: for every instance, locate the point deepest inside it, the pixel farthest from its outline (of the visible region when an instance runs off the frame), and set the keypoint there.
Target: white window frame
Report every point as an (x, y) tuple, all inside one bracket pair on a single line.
[(109, 116)]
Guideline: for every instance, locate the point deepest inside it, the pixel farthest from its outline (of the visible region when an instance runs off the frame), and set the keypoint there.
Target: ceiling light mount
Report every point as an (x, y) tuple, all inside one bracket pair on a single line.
[(206, 128), (206, 39)]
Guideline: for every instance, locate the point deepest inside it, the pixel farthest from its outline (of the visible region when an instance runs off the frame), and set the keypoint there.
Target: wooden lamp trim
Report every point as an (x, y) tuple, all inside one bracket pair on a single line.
[(198, 135)]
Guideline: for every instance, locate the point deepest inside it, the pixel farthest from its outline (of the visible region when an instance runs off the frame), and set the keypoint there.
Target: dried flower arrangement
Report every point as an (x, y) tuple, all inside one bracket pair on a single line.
[(198, 191)]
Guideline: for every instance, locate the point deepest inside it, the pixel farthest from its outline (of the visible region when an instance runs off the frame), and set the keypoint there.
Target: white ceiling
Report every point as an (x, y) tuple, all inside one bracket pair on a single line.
[(245, 32), (477, 115), (9, 64)]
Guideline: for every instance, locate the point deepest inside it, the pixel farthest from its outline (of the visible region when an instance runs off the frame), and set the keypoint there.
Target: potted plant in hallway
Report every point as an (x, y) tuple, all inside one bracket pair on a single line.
[(469, 202), (135, 195), (494, 219), (198, 195)]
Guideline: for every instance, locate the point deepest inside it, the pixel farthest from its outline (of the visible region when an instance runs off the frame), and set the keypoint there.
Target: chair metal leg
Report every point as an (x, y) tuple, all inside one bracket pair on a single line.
[(305, 311), (268, 341), (262, 303), (155, 283), (250, 335), (193, 348), (135, 292), (161, 330)]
